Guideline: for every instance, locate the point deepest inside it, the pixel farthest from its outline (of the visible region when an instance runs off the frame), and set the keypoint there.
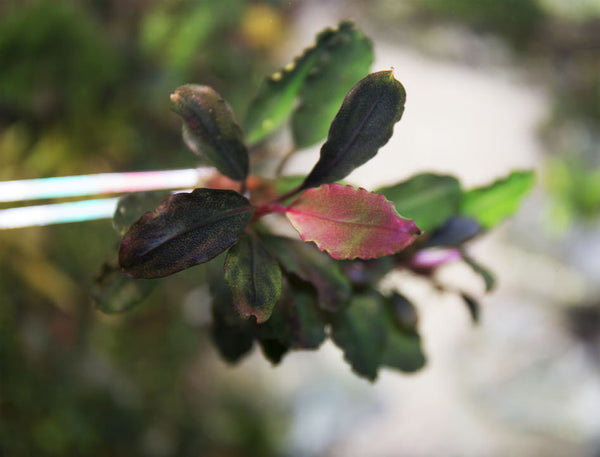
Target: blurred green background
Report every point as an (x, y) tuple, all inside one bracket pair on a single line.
[(84, 88)]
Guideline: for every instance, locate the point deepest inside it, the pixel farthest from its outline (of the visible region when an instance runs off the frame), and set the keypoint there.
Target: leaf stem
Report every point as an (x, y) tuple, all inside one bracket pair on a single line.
[(268, 209)]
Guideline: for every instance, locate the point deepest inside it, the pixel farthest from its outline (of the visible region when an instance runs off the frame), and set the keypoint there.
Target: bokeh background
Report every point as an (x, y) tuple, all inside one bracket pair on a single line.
[(493, 85)]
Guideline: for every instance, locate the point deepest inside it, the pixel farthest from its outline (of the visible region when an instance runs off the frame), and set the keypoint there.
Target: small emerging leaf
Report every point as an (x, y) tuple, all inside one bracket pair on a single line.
[(187, 229), (350, 223), (254, 278), (211, 130), (344, 58), (364, 123), (427, 198), (491, 204)]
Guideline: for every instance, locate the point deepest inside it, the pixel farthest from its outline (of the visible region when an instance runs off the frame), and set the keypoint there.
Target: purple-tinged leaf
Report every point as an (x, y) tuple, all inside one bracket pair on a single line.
[(455, 231), (210, 129), (254, 278), (187, 229), (364, 123), (428, 259), (349, 223), (404, 313)]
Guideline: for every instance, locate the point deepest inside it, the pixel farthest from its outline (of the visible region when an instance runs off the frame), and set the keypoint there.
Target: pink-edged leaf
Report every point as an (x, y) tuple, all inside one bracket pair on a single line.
[(349, 223)]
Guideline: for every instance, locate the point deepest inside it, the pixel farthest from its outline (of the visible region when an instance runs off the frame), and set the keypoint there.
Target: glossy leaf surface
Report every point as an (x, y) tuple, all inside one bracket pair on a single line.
[(350, 223), (364, 123), (187, 229), (254, 278), (342, 59), (315, 267), (491, 204), (427, 198), (211, 130)]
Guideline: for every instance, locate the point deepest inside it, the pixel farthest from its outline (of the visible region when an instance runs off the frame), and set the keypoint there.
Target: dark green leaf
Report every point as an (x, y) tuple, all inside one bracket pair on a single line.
[(295, 322), (403, 312), (472, 306), (230, 339), (211, 130), (403, 349), (187, 229), (364, 123), (131, 207), (273, 350), (427, 198), (487, 276), (254, 278), (315, 267), (490, 205), (365, 273), (344, 59), (116, 293), (359, 330), (230, 333), (306, 327)]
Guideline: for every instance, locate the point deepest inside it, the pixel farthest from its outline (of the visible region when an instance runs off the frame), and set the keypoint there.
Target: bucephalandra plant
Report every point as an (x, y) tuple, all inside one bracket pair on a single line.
[(286, 292)]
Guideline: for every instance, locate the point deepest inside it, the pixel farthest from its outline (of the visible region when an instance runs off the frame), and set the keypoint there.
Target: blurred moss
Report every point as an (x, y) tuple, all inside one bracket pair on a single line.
[(84, 88), (55, 61)]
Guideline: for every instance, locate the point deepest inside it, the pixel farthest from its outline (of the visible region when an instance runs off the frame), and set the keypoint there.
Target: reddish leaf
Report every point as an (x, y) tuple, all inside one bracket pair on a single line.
[(350, 223)]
